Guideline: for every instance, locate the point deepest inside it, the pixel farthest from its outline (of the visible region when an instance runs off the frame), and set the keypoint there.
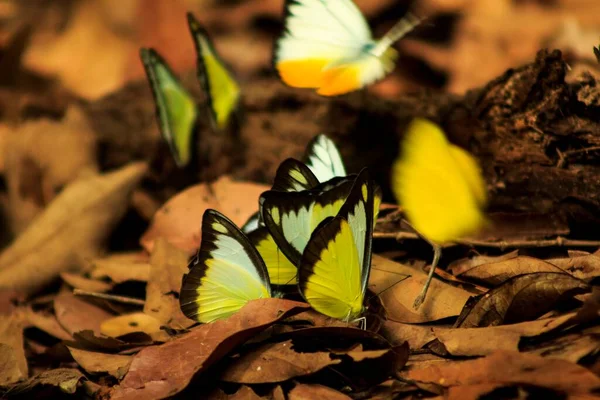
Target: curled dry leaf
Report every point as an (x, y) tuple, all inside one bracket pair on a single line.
[(398, 294), (168, 265), (308, 391), (128, 323), (13, 364), (71, 228), (36, 166), (275, 362), (158, 371), (521, 298), (95, 363), (506, 368), (459, 266), (79, 282), (180, 218), (76, 315), (66, 379), (120, 268), (499, 272)]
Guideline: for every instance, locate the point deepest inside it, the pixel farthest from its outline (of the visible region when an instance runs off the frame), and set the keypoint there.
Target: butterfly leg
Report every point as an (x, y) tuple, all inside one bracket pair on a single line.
[(437, 252)]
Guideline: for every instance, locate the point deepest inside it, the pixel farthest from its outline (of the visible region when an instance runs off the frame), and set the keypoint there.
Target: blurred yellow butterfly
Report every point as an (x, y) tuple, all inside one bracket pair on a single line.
[(328, 46), (439, 186)]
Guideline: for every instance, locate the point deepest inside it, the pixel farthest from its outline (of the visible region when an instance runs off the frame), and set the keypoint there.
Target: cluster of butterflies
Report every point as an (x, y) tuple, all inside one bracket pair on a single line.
[(326, 45), (313, 230)]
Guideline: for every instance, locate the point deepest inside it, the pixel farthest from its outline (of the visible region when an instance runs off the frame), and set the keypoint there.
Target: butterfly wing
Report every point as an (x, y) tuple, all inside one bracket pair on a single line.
[(292, 217), (175, 108), (324, 159), (439, 186), (334, 269), (218, 83), (316, 34), (294, 176), (226, 273), (281, 270)]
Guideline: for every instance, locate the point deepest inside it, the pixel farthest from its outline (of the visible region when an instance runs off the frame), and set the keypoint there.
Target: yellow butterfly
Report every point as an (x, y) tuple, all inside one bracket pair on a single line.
[(175, 108), (335, 264), (439, 186), (328, 46), (226, 273), (222, 90)]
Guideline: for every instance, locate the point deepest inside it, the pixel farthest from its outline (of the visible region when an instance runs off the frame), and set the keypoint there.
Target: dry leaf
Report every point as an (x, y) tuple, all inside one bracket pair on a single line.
[(66, 379), (497, 273), (275, 362), (79, 282), (416, 335), (459, 266), (521, 298), (72, 227), (76, 315), (120, 268), (168, 265), (158, 371), (47, 323), (581, 265), (505, 368), (128, 323), (573, 347), (13, 364), (180, 218), (445, 300), (94, 363), (308, 391), (36, 166)]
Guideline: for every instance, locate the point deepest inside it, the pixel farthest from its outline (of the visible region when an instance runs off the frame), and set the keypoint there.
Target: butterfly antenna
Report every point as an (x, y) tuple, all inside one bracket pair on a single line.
[(437, 252), (399, 30)]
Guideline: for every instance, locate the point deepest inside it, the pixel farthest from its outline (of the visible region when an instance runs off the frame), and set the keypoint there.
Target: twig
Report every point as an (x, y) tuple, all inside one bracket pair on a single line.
[(558, 241), (111, 297)]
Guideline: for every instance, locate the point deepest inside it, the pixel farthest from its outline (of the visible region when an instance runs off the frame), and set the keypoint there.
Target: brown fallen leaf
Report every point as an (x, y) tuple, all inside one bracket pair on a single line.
[(484, 341), (497, 273), (66, 379), (79, 282), (180, 218), (128, 323), (46, 322), (461, 265), (158, 371), (505, 368), (120, 268), (275, 362), (416, 335), (94, 362), (398, 297), (521, 298), (76, 315), (308, 391), (572, 347), (36, 166), (243, 393), (168, 265), (581, 265), (13, 364), (73, 227)]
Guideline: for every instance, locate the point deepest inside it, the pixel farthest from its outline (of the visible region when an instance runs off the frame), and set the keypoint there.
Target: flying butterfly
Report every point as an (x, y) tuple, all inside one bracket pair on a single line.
[(439, 186), (175, 108), (227, 272), (328, 46), (221, 88), (335, 265), (324, 159)]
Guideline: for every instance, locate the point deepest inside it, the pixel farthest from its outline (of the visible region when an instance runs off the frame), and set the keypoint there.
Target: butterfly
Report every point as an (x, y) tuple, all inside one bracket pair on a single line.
[(328, 46), (324, 159), (221, 88), (226, 273), (175, 108), (336, 262), (439, 186)]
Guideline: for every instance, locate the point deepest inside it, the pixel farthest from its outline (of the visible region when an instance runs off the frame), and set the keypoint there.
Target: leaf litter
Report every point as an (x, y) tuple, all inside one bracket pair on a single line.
[(534, 328)]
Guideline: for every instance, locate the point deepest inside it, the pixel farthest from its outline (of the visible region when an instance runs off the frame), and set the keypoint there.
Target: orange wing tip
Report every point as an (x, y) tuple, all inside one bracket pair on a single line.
[(304, 73), (341, 80)]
